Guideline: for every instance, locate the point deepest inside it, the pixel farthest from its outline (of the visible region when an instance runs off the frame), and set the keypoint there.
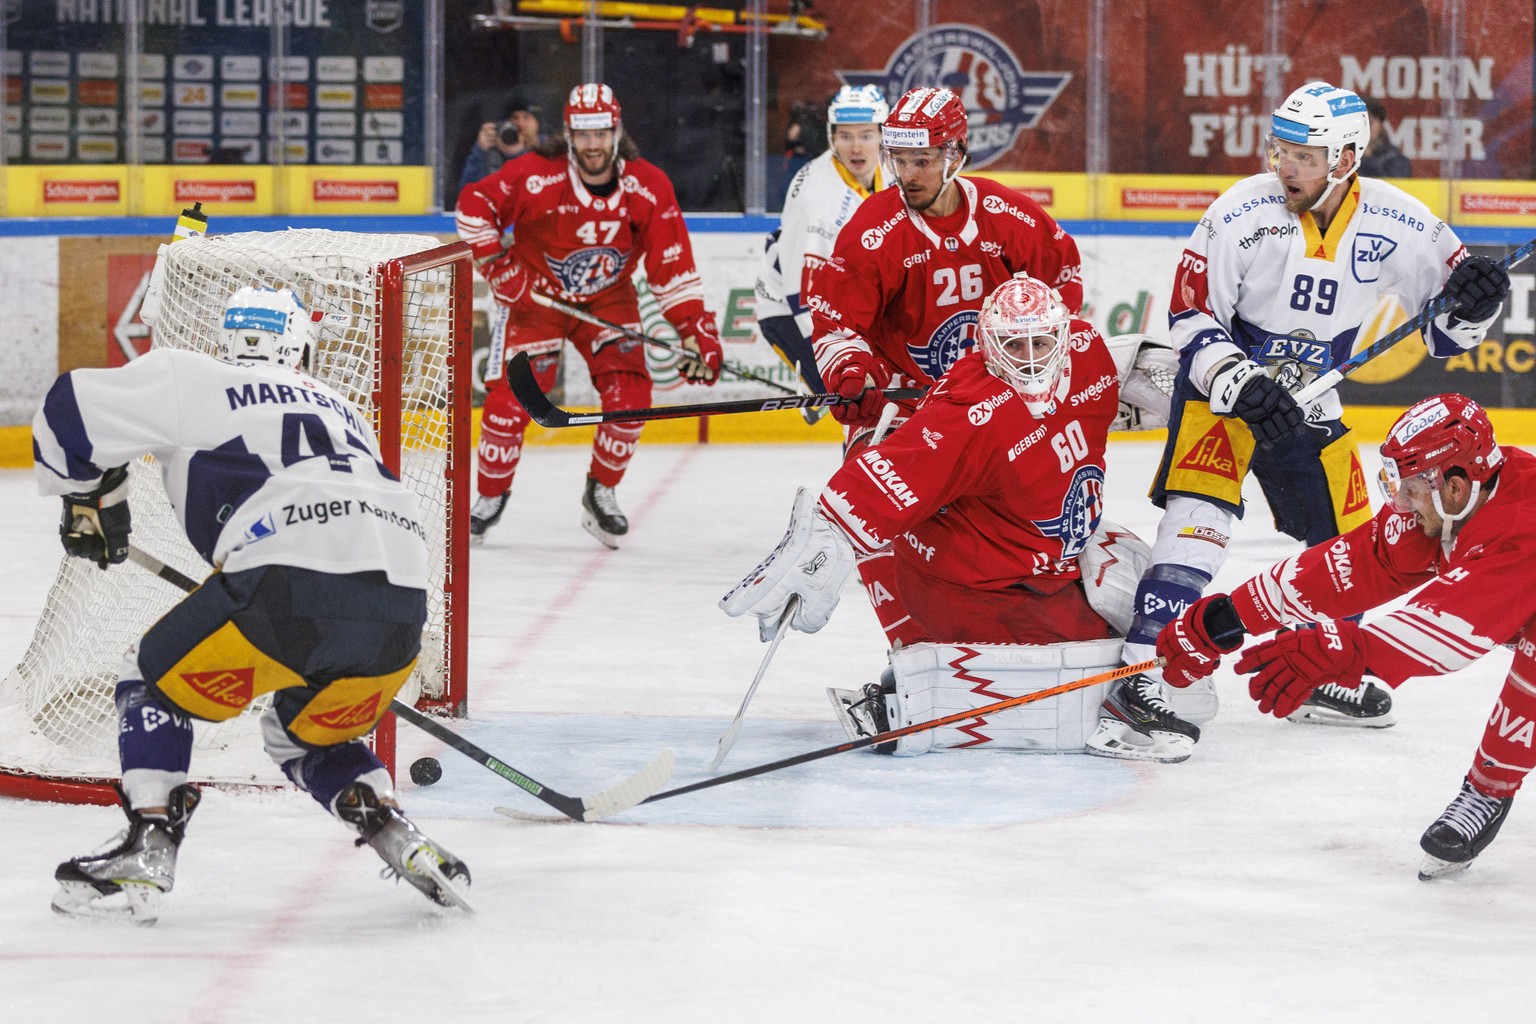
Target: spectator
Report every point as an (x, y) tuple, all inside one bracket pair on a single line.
[(1382, 159), (498, 143)]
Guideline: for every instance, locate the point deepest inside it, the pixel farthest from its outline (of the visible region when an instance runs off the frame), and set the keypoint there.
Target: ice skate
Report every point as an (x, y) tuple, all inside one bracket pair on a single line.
[(600, 515), (1136, 724), (863, 713), (138, 868), (408, 853), (484, 514), (1368, 706), (1462, 832)]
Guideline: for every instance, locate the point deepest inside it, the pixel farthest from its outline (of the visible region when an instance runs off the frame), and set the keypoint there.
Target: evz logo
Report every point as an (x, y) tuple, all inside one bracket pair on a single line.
[(951, 340), (1370, 252), (1314, 355), (1080, 511), (587, 271)]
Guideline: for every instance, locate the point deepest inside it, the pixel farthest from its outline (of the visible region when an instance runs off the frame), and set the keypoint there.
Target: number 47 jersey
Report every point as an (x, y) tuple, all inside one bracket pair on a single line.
[(1265, 280), (263, 465)]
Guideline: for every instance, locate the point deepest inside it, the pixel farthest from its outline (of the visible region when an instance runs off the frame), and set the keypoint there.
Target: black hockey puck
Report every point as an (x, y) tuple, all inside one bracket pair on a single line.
[(426, 770)]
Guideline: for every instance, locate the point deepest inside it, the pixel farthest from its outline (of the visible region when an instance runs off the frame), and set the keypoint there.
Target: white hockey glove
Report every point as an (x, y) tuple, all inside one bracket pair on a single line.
[(812, 561), (96, 523), (1147, 368)]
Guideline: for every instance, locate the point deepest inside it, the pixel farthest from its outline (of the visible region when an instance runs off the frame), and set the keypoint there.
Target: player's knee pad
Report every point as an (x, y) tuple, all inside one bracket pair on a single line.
[(154, 745), (935, 680), (1112, 565)]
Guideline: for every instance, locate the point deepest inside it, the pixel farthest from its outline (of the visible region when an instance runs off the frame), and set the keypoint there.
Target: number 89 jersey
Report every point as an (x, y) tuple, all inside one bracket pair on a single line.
[(1265, 280), (263, 465)]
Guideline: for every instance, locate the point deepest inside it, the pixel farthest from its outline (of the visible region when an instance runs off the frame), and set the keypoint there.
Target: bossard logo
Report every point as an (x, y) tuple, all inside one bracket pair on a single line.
[(1001, 98), (1212, 454), (385, 15), (349, 717), (231, 688)]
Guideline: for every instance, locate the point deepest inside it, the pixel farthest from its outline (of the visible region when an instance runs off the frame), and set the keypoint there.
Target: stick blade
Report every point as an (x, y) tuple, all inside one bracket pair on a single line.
[(631, 791), (526, 387), (727, 741)]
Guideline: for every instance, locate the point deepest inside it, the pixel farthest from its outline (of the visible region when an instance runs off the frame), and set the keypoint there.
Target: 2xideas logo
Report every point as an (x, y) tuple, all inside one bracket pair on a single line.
[(1000, 97)]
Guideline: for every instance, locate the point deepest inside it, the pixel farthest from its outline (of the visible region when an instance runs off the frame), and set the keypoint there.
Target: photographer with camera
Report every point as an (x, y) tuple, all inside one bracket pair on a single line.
[(498, 143)]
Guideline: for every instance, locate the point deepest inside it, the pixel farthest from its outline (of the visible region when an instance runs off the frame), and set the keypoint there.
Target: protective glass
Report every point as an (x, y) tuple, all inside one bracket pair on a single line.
[(1309, 161), (1402, 492)]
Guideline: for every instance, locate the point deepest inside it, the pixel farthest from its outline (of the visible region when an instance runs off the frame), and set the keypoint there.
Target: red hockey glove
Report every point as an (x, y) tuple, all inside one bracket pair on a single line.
[(1194, 642), (504, 276), (1290, 666), (701, 336), (857, 375)]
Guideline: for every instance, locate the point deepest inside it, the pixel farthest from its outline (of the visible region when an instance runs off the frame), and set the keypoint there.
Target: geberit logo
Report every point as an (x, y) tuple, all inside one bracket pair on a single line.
[(357, 191), (215, 191), (81, 192)]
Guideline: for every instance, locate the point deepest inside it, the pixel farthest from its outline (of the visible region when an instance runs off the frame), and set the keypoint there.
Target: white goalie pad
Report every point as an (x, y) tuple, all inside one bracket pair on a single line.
[(935, 680), (1147, 368), (1112, 565)]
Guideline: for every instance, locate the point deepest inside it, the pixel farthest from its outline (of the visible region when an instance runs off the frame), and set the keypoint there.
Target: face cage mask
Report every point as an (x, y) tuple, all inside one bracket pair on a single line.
[(1272, 164), (1034, 377)]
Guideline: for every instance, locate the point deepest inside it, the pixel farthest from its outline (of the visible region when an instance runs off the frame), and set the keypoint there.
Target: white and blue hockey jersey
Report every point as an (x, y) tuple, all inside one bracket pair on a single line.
[(1259, 281), (822, 196), (263, 465)]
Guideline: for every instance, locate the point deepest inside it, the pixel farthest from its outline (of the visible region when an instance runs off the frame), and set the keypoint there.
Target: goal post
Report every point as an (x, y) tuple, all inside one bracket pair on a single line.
[(395, 338)]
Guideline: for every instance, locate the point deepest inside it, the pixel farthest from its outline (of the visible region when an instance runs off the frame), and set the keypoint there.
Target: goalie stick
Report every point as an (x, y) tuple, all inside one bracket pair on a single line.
[(728, 738), (549, 302), (1433, 308), (578, 808), (546, 414)]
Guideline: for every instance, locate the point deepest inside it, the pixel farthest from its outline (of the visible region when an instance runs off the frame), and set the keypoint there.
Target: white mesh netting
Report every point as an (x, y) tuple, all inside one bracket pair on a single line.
[(57, 718)]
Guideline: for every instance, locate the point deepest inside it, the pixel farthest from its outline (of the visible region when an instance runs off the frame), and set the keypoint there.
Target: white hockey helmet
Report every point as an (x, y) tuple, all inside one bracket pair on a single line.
[(858, 104), (1024, 331), (1319, 114), (267, 326)]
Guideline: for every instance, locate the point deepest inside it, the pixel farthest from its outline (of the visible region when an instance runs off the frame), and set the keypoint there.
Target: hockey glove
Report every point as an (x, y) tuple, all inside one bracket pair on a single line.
[(1290, 666), (701, 337), (96, 524), (1243, 390), (1193, 643), (1478, 285), (505, 278), (857, 377), (812, 561)]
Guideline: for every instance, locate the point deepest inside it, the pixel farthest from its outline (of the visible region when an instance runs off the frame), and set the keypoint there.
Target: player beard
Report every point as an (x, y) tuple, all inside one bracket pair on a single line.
[(1305, 198), (594, 162)]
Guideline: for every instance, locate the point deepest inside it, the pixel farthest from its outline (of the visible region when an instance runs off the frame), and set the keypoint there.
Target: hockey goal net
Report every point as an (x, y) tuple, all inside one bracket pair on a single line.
[(395, 340)]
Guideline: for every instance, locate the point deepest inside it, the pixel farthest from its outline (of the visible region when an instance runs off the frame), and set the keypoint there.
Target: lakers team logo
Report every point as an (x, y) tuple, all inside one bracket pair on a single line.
[(586, 272), (1080, 511), (953, 339), (1001, 98)]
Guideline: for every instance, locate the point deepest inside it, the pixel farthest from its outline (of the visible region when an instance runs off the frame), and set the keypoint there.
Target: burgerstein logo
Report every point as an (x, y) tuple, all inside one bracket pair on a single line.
[(1000, 97)]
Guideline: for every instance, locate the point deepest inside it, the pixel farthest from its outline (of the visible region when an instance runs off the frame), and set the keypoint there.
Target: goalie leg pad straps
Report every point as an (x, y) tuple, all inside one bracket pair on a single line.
[(934, 680)]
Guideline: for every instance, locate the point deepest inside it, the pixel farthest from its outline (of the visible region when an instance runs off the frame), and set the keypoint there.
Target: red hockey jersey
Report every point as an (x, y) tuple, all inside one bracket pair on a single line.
[(574, 245), (1478, 596), (909, 288), (976, 490)]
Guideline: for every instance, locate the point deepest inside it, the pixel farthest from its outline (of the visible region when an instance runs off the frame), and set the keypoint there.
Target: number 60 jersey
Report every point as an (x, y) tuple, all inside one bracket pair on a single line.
[(264, 465)]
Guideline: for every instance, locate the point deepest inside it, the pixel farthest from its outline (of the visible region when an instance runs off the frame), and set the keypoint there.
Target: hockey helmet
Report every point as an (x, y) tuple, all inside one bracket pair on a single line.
[(591, 107), (265, 326), (1436, 435), (858, 104), (1023, 330), (1319, 114), (925, 118)]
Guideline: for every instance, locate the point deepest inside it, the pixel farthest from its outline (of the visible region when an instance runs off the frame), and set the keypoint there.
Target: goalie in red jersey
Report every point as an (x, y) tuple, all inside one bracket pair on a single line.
[(897, 303), (1456, 533), (988, 499), (585, 208)]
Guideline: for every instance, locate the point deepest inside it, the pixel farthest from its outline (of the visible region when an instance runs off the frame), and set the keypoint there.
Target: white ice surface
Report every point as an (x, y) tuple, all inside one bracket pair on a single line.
[(1270, 878)]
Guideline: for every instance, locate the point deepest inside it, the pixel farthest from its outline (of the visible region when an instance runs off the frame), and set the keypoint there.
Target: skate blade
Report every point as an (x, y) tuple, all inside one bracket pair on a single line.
[(134, 903), (589, 523), (1309, 715), (840, 700), (476, 539), (449, 892), (1113, 738), (1433, 867)]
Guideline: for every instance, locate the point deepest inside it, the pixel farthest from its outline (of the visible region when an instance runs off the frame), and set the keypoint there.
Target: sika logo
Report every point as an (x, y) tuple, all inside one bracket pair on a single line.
[(81, 192), (231, 688), (215, 191), (356, 191), (349, 718)]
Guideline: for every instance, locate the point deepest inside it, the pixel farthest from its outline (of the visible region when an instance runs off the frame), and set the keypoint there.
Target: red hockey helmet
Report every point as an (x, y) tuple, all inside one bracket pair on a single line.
[(925, 118), (591, 106), (1436, 435), (1024, 330)]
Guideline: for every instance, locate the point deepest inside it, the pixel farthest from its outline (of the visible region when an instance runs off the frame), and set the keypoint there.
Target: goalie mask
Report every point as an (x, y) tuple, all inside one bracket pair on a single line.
[(265, 327), (1437, 435), (1321, 115), (592, 107), (1024, 331)]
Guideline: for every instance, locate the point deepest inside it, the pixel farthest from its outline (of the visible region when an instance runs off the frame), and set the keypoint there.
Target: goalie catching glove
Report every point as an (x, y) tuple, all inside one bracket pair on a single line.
[(812, 562), (96, 524)]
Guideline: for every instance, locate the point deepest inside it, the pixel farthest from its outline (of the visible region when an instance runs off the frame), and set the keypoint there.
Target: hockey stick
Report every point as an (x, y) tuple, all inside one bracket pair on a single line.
[(546, 414), (1437, 305), (728, 739), (549, 302), (578, 808), (908, 730)]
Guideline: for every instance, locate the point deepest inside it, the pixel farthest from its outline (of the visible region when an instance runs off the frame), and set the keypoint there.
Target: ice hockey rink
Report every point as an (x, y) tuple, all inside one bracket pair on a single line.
[(1270, 878)]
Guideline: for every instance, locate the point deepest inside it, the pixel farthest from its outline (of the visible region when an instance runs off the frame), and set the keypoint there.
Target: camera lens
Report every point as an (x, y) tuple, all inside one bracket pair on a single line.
[(509, 134)]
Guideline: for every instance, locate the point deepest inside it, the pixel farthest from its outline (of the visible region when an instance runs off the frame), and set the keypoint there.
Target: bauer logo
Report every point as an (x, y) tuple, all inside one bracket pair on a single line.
[(356, 191), (81, 192), (1000, 97), (215, 191)]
